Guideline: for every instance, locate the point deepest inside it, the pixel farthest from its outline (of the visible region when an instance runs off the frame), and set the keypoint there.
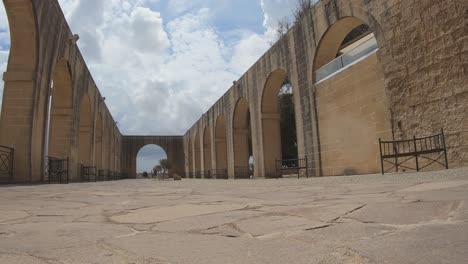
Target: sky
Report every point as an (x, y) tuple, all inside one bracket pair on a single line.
[(161, 64)]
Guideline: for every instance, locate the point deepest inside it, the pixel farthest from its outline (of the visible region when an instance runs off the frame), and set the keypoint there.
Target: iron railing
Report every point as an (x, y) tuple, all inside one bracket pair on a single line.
[(123, 176), (57, 170), (347, 59), (243, 172), (6, 164), (103, 175), (89, 173), (219, 174), (293, 167), (414, 154)]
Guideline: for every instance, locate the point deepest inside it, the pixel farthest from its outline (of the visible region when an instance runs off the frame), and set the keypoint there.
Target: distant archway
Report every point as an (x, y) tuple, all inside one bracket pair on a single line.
[(206, 152), (98, 142), (148, 158), (106, 147), (243, 154), (173, 146), (85, 135), (221, 144), (190, 159)]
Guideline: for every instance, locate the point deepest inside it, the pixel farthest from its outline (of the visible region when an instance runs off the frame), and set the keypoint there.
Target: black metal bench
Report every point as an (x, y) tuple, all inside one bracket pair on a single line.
[(243, 172), (297, 167), (400, 154), (6, 164)]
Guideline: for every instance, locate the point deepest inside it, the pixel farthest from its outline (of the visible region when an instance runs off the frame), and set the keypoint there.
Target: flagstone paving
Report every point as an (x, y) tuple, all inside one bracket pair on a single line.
[(405, 218)]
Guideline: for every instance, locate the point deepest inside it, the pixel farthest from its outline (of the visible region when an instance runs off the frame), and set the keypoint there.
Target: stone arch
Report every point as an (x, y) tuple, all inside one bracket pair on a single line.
[(116, 151), (207, 167), (190, 158), (150, 145), (112, 151), (98, 142), (21, 76), (333, 37), (197, 155), (271, 121), (85, 132), (335, 11), (172, 145), (221, 143), (23, 57), (241, 133), (350, 114), (106, 145), (61, 111)]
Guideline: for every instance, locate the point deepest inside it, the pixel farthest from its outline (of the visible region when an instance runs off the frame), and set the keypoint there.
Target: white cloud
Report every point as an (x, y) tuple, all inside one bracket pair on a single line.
[(160, 76)]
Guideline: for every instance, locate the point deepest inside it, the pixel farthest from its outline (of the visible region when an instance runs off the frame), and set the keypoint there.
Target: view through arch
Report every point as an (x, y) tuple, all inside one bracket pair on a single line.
[(149, 158), (4, 47), (278, 125), (243, 155)]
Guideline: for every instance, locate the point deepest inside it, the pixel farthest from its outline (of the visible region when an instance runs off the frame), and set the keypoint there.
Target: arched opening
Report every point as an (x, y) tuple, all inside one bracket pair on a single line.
[(206, 153), (18, 39), (116, 153), (221, 147), (278, 123), (152, 162), (190, 159), (196, 153), (351, 109), (4, 44), (85, 136), (243, 155), (61, 112), (98, 142), (347, 42)]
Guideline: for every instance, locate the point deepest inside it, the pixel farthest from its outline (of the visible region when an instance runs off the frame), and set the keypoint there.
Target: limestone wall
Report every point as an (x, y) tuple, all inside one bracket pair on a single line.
[(423, 53), (352, 116), (41, 43)]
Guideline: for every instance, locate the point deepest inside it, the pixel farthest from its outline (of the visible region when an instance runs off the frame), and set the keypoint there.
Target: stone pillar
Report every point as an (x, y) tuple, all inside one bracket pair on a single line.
[(221, 153), (241, 148), (271, 143), (16, 124)]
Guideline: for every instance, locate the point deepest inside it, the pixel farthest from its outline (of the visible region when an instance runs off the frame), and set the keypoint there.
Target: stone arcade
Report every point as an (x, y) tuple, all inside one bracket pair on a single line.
[(413, 83)]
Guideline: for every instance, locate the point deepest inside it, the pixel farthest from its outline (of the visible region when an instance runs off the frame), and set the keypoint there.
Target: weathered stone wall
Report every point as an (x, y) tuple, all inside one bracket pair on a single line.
[(40, 39), (425, 64), (422, 49)]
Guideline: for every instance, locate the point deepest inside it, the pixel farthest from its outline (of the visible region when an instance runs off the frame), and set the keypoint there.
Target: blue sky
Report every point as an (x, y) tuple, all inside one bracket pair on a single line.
[(162, 63)]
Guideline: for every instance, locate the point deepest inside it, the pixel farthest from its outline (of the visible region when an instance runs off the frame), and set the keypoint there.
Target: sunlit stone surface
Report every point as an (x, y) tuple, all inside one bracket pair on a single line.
[(408, 218)]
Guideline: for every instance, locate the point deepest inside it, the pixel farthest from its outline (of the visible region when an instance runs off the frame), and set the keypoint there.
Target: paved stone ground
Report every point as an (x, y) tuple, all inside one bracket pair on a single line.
[(410, 218)]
